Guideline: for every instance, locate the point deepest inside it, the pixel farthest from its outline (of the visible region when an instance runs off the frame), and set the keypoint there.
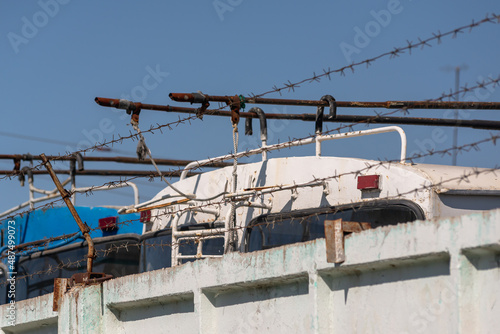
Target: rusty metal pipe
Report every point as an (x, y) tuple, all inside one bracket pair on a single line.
[(127, 160), (96, 172), (186, 97), (476, 124), (105, 102), (83, 226)]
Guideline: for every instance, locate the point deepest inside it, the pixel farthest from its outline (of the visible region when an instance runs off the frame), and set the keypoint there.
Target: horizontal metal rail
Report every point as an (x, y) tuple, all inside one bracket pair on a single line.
[(200, 98), (96, 172), (469, 123), (127, 160), (207, 237), (200, 233), (386, 129)]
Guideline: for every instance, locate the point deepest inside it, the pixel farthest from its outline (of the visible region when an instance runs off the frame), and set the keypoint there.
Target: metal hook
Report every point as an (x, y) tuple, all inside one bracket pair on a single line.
[(79, 159), (263, 123), (25, 170), (319, 113), (248, 127)]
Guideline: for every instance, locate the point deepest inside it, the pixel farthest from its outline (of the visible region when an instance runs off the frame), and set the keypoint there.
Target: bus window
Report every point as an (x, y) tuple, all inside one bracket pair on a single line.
[(276, 230)]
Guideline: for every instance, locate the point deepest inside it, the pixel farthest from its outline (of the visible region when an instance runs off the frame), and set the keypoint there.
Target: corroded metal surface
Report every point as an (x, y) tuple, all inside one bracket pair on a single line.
[(470, 123), (187, 97), (84, 228), (335, 230), (127, 160), (60, 288)]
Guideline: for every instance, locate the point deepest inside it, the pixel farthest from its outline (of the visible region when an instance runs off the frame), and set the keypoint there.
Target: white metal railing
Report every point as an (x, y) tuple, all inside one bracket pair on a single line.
[(50, 194), (385, 129), (300, 142)]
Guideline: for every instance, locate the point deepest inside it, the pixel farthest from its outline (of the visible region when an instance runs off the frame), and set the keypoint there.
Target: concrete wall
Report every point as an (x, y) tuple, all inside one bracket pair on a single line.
[(424, 277)]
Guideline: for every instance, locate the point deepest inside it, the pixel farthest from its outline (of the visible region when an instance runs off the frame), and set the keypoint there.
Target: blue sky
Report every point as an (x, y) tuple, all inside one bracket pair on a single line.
[(57, 55)]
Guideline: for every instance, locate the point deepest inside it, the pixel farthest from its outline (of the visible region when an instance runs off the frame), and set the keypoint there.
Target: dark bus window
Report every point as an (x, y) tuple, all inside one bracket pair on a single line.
[(156, 250), (275, 230)]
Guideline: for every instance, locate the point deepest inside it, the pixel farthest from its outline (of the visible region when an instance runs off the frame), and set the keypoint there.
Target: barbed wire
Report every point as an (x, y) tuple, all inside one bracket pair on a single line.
[(224, 202), (99, 145), (483, 84), (368, 167), (276, 217), (290, 86), (465, 177), (480, 85), (396, 52), (100, 254), (159, 127), (358, 205), (111, 185), (62, 265)]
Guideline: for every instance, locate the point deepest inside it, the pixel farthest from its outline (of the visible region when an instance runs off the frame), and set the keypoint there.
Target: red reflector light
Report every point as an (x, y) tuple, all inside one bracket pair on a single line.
[(368, 182), (145, 216), (108, 224)]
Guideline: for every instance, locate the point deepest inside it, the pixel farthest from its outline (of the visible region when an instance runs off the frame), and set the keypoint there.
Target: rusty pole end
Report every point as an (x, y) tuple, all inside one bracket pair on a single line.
[(66, 197)]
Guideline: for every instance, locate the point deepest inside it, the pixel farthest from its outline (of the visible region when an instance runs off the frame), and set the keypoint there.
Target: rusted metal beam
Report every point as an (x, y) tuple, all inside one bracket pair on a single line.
[(198, 98), (115, 103), (127, 160), (91, 172), (335, 231), (66, 197), (61, 285), (471, 123)]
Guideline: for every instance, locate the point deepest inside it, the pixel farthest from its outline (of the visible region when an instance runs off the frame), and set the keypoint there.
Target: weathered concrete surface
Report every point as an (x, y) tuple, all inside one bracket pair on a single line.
[(438, 276)]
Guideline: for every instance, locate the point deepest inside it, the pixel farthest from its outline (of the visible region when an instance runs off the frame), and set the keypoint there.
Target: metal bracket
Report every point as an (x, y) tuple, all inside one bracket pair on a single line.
[(132, 108), (235, 103), (88, 279), (335, 231), (62, 285)]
